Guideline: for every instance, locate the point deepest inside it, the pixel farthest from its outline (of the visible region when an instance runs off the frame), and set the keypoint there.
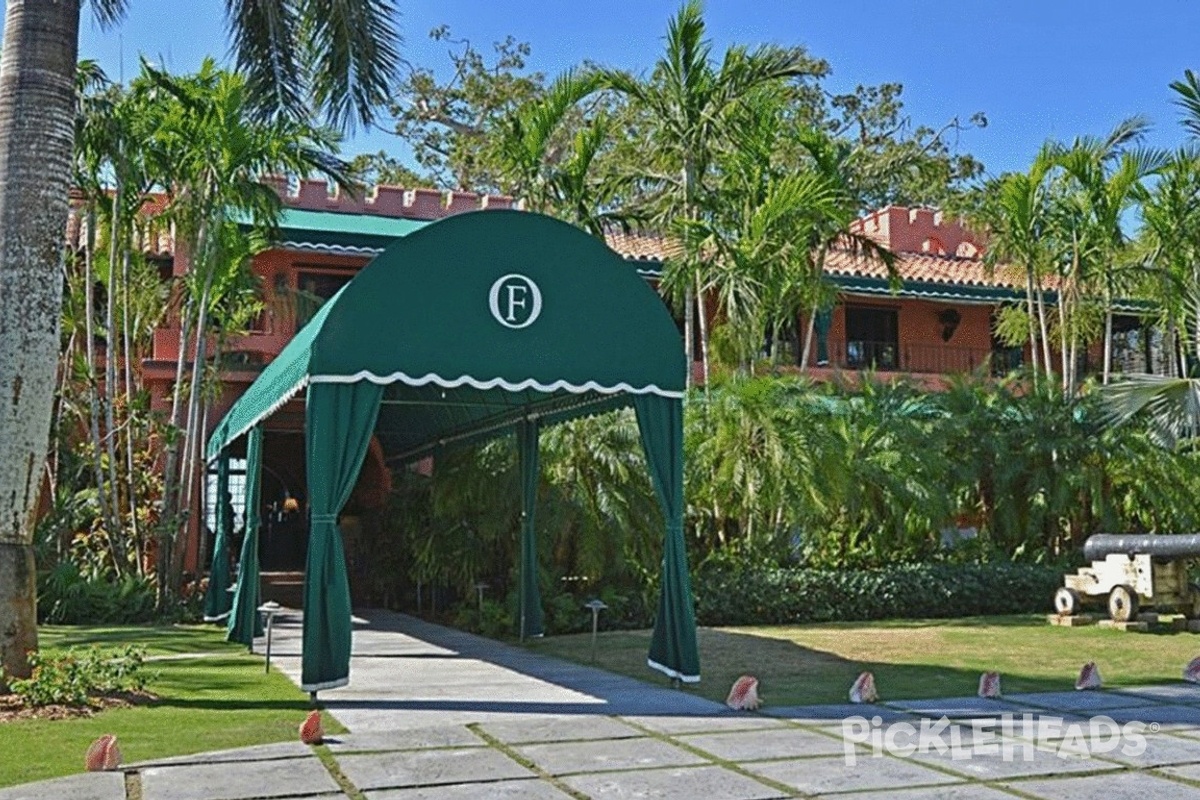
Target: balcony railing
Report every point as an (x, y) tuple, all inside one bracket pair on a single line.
[(918, 358)]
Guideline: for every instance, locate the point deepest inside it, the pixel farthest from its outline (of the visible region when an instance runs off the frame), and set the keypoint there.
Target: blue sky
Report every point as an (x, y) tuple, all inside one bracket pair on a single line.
[(1037, 68)]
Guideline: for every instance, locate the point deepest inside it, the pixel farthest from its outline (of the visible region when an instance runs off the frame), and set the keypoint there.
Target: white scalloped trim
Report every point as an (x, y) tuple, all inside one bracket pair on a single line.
[(278, 404), (493, 383), (320, 687), (677, 675), (331, 249)]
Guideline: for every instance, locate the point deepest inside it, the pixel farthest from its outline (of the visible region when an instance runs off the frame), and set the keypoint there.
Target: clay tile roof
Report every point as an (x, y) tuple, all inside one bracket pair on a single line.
[(924, 268), (641, 245)]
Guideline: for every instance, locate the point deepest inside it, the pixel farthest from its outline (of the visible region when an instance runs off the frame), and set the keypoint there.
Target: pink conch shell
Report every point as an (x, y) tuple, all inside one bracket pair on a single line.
[(310, 730), (989, 684), (863, 690), (744, 694), (103, 754), (1089, 677), (1192, 671)]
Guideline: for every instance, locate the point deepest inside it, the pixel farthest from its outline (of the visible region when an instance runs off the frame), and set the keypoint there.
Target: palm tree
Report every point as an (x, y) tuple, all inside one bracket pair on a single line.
[(688, 100), (343, 56), (1171, 405)]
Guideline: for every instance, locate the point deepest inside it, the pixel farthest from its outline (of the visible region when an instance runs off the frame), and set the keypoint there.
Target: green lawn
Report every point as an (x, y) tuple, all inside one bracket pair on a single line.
[(219, 698), (805, 664)]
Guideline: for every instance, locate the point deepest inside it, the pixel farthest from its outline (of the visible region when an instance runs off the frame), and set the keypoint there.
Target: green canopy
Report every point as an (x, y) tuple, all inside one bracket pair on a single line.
[(461, 330)]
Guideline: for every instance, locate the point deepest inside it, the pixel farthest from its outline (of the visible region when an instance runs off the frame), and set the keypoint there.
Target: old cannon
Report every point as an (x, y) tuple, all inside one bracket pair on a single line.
[(1129, 572)]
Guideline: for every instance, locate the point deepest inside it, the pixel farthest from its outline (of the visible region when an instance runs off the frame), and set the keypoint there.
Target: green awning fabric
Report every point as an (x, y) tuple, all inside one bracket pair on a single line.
[(244, 620), (216, 598), (464, 329)]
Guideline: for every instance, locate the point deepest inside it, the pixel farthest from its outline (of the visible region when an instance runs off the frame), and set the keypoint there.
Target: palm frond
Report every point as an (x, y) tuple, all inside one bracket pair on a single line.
[(1170, 406)]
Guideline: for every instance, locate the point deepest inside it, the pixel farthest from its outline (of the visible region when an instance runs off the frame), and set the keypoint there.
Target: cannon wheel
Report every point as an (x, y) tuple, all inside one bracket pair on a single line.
[(1066, 602), (1122, 604)]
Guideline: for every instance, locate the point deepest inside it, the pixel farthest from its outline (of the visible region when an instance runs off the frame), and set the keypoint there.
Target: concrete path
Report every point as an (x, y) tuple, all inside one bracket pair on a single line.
[(435, 713)]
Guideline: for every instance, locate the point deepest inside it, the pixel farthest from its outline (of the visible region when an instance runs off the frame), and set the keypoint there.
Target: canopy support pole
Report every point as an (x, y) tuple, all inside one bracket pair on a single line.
[(531, 601)]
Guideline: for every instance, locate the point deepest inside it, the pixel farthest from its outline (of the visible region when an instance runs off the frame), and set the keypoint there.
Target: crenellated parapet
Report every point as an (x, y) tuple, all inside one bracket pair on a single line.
[(386, 201), (920, 230)]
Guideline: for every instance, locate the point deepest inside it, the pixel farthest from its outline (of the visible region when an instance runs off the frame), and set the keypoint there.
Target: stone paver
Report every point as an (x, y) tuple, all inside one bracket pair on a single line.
[(1167, 717), (531, 789), (836, 713), (419, 739), (265, 752), (88, 786), (236, 781), (1086, 702), (973, 791), (1179, 692), (428, 768), (558, 729), (760, 745), (710, 783), (817, 775), (1125, 786), (674, 724), (562, 759), (1160, 750), (958, 707), (1190, 772), (1021, 761)]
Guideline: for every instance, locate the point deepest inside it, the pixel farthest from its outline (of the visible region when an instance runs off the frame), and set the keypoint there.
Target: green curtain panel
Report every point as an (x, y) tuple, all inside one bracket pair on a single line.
[(531, 623), (340, 420), (217, 600), (822, 323), (244, 620), (673, 646)]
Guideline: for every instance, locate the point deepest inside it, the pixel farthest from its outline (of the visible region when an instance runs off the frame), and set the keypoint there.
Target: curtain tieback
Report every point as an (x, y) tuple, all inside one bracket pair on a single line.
[(319, 518)]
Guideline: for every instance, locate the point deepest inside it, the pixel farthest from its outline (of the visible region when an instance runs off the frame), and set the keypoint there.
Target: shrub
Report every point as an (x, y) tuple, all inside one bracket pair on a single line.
[(65, 597), (758, 595), (72, 677)]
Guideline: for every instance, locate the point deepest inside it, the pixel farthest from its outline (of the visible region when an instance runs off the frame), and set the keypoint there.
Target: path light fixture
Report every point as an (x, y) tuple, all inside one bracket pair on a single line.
[(596, 607), (270, 609)]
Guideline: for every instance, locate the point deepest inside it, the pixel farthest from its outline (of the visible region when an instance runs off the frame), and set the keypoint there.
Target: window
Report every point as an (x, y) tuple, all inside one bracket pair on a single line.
[(872, 337), (237, 492), (314, 288)]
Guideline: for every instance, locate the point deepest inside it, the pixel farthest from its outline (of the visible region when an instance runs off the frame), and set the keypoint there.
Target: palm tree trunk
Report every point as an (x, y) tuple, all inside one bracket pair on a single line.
[(111, 351), (688, 326), (702, 319), (93, 389), (1108, 326), (1045, 329), (37, 102), (809, 331), (130, 465), (1033, 337)]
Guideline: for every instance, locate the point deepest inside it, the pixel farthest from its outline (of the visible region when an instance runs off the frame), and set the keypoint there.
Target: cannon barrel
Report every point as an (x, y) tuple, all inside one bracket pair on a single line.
[(1174, 545)]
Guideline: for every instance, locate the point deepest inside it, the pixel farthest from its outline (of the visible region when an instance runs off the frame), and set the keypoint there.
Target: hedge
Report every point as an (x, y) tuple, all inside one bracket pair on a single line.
[(765, 596)]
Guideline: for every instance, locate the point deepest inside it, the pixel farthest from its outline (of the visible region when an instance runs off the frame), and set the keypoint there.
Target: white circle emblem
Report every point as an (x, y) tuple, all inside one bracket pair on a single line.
[(515, 301)]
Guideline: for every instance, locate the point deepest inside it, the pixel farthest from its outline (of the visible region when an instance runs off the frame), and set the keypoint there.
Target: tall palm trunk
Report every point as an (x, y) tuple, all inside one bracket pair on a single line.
[(130, 465), (37, 102), (1032, 313), (1045, 329), (809, 331), (93, 389), (111, 352)]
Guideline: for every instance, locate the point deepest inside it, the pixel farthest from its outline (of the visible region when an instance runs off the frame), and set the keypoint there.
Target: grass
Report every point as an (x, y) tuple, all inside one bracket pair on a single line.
[(212, 695), (802, 664)]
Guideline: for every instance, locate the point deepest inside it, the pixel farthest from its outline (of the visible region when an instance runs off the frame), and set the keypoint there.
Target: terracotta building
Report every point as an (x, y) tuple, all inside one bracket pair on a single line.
[(937, 322)]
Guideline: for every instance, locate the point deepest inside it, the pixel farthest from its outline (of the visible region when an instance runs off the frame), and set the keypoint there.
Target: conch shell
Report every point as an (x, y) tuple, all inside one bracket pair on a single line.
[(1192, 671), (744, 694), (989, 684), (863, 690), (1089, 676), (311, 731), (103, 754)]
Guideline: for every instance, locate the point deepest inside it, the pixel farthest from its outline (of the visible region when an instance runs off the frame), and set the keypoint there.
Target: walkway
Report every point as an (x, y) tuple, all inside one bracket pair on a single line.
[(436, 713)]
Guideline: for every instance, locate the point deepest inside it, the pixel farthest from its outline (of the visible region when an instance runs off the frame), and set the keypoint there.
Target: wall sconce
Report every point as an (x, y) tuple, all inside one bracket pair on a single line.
[(949, 319), (290, 504)]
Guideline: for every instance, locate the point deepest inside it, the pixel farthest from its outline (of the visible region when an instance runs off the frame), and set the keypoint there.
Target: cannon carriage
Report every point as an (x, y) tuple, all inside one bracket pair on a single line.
[(1129, 573)]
